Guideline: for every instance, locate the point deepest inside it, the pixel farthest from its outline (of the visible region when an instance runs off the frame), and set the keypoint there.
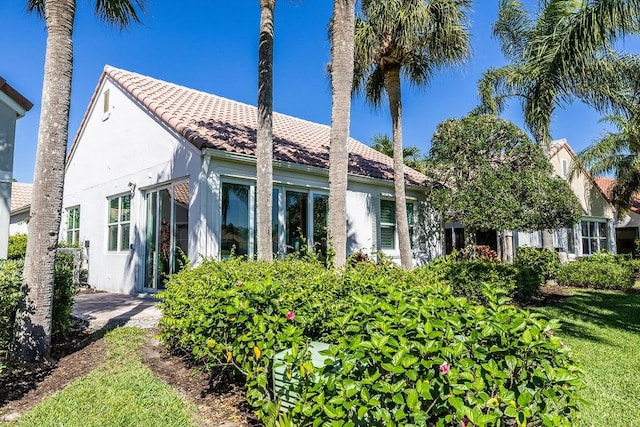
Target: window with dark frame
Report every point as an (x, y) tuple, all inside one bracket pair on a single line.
[(594, 236)]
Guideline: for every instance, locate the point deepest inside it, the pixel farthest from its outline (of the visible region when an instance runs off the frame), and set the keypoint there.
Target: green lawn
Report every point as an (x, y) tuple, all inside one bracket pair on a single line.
[(122, 392), (603, 330)]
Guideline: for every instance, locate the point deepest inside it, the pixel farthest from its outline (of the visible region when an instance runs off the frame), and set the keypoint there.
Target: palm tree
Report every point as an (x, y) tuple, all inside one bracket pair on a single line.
[(33, 319), (618, 153), (410, 155), (566, 53), (342, 53), (264, 134), (405, 39)]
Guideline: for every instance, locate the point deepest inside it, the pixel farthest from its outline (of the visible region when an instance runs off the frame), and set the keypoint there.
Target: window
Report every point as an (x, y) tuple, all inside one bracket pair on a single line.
[(388, 224), (235, 219), (320, 210), (296, 217), (594, 236), (119, 223), (454, 239), (571, 241), (73, 225), (565, 168)]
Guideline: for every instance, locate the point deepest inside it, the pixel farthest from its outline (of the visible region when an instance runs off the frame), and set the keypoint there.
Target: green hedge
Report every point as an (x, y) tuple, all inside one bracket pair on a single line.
[(391, 331), (599, 274), (17, 246), (10, 295), (467, 278), (545, 262)]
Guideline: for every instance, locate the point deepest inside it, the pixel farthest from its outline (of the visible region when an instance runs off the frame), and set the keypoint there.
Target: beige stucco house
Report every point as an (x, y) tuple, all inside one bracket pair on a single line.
[(596, 230), (12, 107), (628, 225)]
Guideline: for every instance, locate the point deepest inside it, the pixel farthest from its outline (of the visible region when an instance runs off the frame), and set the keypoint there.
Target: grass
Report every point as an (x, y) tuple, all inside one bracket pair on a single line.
[(603, 330), (122, 392)]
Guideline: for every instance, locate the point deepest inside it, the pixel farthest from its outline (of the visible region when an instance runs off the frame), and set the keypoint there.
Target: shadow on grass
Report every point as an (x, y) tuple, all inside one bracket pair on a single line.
[(600, 308)]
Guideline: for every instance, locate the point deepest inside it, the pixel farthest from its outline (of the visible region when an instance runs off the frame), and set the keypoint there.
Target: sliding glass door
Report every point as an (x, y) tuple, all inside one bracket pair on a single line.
[(166, 233)]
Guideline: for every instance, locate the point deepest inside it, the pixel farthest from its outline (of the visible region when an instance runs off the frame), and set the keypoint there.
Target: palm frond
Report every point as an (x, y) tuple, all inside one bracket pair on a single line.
[(36, 6), (119, 13), (512, 28)]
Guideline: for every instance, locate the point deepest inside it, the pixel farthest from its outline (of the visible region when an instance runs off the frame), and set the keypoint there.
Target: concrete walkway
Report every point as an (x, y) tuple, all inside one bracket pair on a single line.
[(105, 310)]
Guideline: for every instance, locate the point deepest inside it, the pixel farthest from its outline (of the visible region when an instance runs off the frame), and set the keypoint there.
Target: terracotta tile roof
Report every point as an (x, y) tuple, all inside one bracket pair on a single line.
[(209, 121), (23, 102), (20, 195), (606, 186), (181, 193)]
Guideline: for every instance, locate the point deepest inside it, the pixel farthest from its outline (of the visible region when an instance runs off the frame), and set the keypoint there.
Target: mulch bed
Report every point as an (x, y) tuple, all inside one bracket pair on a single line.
[(83, 350), (219, 404)]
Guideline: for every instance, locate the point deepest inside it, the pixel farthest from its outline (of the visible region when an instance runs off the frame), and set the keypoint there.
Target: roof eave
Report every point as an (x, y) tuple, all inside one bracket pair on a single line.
[(298, 167)]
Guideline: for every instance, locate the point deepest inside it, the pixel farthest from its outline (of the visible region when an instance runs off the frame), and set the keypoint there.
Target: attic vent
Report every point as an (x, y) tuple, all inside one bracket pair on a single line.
[(105, 105), (285, 388)]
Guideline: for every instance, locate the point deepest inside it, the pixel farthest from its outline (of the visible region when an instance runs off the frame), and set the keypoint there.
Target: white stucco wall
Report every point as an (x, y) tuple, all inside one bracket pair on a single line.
[(18, 223), (124, 146)]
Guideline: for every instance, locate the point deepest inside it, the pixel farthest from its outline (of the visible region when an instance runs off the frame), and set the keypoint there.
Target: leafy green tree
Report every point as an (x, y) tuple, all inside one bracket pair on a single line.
[(33, 319), (495, 178), (342, 51), (411, 154), (618, 152), (411, 40)]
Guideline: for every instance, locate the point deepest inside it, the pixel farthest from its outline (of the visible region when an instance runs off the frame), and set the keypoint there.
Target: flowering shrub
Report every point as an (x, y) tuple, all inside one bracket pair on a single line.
[(415, 359), (404, 350)]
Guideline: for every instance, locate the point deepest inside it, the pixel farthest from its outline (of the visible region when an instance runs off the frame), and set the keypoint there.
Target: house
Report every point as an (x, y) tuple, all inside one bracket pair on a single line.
[(596, 230), (12, 107), (20, 204), (627, 226), (159, 174)]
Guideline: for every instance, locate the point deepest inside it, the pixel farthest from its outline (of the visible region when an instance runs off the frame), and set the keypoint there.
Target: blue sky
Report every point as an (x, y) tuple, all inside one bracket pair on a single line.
[(212, 46)]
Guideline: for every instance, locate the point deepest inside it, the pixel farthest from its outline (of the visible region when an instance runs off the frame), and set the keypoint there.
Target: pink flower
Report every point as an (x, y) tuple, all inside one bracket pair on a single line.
[(291, 315), (464, 422), (444, 368), (550, 332), (239, 284)]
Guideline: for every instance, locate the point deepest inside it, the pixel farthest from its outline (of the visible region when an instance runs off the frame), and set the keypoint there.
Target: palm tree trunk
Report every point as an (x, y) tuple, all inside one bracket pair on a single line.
[(342, 46), (32, 334), (392, 86), (264, 134)]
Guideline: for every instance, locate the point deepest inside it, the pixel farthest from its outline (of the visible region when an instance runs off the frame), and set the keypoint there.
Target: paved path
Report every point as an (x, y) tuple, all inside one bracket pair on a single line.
[(105, 310)]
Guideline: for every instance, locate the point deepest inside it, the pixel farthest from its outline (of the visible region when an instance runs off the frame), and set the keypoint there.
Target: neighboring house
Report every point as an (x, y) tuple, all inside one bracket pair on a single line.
[(20, 204), (12, 107), (594, 232), (627, 227), (159, 173), (596, 228)]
